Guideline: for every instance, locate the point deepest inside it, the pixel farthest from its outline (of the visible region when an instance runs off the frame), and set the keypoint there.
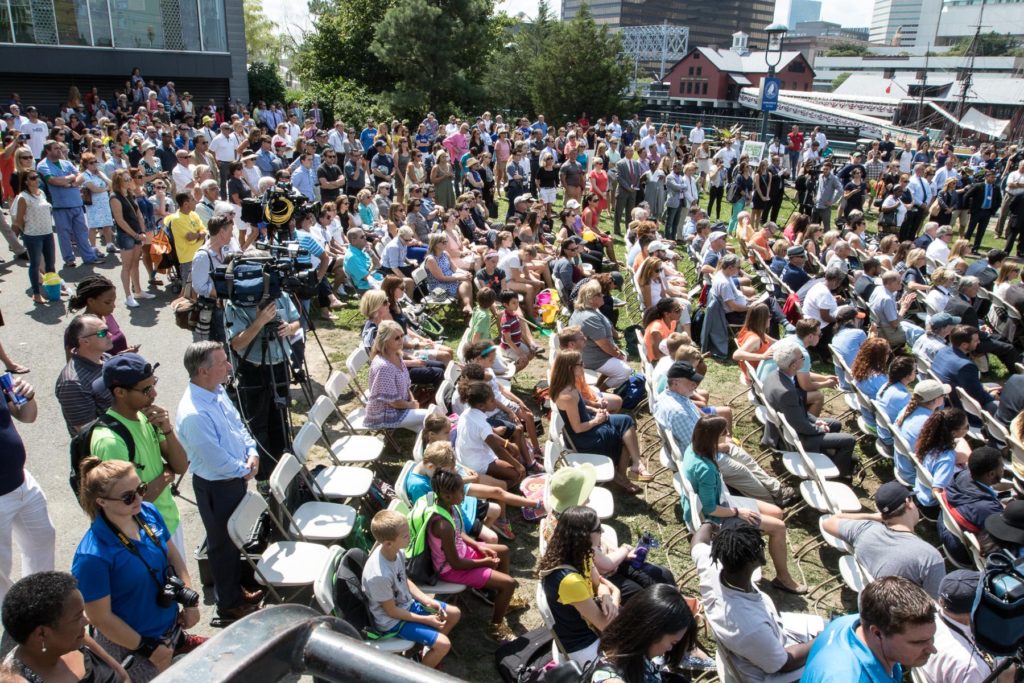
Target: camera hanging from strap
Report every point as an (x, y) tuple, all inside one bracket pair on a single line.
[(130, 546)]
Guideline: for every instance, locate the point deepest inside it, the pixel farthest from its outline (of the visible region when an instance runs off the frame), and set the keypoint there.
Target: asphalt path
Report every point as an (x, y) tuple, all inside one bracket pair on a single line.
[(32, 336)]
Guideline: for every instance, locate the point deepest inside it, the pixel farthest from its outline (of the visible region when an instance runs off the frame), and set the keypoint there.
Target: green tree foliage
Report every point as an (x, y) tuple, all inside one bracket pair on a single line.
[(261, 39), (579, 69), (840, 79), (848, 50), (339, 44), (508, 76), (990, 44), (437, 50), (265, 83), (344, 100)]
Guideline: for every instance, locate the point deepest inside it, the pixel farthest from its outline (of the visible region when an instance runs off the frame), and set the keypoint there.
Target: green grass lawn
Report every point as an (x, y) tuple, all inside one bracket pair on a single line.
[(656, 510)]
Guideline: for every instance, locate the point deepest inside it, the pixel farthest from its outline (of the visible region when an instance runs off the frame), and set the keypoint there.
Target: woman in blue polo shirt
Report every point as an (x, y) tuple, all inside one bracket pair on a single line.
[(122, 565)]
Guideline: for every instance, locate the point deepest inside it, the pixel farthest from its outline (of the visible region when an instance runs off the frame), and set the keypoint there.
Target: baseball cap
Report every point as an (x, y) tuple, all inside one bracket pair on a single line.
[(957, 590), (844, 313), (280, 143), (123, 370), (796, 250), (891, 496), (572, 204), (683, 370), (656, 245), (718, 235), (929, 390), (943, 319)]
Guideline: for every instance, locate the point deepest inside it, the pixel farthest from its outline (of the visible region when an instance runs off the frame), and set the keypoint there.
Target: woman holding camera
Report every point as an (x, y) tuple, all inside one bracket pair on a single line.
[(133, 579)]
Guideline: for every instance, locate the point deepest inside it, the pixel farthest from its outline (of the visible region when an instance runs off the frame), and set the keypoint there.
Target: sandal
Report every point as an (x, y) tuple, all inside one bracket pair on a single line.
[(17, 369), (637, 473), (800, 589)]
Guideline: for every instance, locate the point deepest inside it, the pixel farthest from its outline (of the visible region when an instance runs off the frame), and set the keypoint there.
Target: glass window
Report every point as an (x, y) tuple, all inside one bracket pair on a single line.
[(100, 15), (72, 20), (213, 25), (137, 24), (6, 34)]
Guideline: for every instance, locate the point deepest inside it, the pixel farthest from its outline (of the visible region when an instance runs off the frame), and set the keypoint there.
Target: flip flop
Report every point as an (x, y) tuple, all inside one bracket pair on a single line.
[(18, 370), (800, 589)]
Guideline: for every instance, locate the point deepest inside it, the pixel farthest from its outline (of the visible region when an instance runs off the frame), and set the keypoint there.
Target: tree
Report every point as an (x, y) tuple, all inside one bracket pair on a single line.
[(848, 50), (261, 39), (508, 76), (839, 80), (338, 44), (579, 68), (436, 49), (990, 44), (265, 83)]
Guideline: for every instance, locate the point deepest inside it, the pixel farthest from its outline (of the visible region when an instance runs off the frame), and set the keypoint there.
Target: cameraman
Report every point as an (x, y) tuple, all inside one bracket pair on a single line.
[(259, 337), (209, 257)]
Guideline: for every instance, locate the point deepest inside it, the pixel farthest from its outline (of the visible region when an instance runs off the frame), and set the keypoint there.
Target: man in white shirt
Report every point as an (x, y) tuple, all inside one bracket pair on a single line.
[(614, 129), (760, 644), (957, 657), (337, 138), (697, 134), (820, 137), (36, 130), (938, 250), (820, 303), (727, 154), (19, 120), (921, 193), (947, 171), (182, 173), (224, 149)]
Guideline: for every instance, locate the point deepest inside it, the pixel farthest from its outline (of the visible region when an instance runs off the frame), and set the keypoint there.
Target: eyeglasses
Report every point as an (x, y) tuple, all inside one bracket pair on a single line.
[(148, 391), (100, 334), (129, 497), (33, 177)]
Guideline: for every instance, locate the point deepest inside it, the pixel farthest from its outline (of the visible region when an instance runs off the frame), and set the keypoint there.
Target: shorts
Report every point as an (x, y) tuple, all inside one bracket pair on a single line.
[(123, 241), (709, 410), (501, 420), (417, 633), (483, 506), (473, 578)]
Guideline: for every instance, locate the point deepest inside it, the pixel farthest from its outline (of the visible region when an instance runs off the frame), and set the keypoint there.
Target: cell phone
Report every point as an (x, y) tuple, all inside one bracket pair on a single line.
[(23, 137)]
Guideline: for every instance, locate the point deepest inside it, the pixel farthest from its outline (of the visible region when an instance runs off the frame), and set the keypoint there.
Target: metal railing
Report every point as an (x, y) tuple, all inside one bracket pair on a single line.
[(286, 640)]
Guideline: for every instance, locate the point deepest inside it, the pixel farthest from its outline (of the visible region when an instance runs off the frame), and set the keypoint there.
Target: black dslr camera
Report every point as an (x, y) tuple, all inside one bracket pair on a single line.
[(176, 592)]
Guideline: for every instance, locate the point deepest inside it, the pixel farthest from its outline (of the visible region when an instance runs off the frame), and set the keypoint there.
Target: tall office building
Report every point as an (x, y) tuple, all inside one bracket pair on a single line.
[(947, 22), (801, 11), (895, 21), (711, 22)]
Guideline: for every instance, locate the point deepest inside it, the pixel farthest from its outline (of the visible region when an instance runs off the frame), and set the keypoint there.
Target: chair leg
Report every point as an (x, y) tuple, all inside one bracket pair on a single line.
[(807, 546)]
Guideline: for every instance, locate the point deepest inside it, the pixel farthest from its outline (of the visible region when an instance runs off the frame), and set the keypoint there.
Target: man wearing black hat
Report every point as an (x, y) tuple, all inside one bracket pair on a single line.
[(885, 542), (957, 657), (1007, 528), (153, 446), (794, 274)]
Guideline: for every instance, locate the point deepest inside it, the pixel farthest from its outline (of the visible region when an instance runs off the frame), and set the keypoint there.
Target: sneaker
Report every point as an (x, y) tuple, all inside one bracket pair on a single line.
[(130, 302), (485, 595), (23, 256), (500, 632), (787, 496), (188, 643), (503, 528), (145, 295), (111, 249), (697, 663)]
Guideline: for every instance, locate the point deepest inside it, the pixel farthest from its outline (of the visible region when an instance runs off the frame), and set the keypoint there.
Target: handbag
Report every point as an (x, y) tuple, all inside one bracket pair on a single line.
[(86, 195), (935, 208)]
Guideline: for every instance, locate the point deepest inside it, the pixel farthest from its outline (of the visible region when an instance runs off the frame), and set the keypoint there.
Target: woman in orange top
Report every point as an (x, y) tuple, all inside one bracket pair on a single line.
[(659, 322), (753, 341)]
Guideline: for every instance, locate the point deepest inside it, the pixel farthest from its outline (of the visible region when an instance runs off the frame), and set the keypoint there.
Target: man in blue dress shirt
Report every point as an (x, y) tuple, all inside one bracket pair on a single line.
[(223, 457), (895, 629)]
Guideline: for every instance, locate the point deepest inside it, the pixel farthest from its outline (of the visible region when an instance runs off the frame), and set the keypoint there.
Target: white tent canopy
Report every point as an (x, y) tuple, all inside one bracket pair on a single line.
[(981, 123)]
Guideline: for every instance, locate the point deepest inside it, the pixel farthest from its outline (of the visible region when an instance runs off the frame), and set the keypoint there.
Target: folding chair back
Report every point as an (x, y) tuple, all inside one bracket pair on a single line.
[(304, 440), (323, 589), (402, 480), (244, 518), (280, 482), (322, 410)]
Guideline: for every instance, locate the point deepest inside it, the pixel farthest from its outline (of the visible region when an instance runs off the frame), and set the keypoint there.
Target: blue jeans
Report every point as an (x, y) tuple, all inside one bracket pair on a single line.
[(38, 247), (672, 214), (70, 223)]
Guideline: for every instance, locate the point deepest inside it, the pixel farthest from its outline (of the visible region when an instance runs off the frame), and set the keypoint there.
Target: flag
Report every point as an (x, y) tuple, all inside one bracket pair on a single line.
[(888, 88)]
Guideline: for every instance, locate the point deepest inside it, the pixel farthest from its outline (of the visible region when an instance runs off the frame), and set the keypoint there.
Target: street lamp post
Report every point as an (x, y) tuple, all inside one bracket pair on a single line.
[(772, 56)]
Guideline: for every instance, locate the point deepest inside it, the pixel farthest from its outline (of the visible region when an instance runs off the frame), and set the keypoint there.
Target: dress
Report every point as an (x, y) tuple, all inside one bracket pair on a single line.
[(445, 264), (97, 214), (445, 191), (655, 194), (606, 438), (599, 181)]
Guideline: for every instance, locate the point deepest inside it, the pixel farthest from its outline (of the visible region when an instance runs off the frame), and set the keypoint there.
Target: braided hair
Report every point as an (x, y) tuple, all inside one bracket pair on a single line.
[(900, 369), (737, 545), (89, 288)]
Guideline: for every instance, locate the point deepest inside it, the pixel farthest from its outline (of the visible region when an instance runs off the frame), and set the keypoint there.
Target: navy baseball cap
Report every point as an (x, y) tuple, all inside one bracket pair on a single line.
[(124, 370)]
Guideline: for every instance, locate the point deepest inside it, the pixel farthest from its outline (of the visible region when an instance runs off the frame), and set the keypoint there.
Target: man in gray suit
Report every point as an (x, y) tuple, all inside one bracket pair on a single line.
[(674, 200), (628, 173), (819, 435), (830, 190)]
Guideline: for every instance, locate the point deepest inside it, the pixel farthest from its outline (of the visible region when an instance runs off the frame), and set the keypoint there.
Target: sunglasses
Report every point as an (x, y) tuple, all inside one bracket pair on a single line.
[(129, 497), (99, 334), (148, 391)]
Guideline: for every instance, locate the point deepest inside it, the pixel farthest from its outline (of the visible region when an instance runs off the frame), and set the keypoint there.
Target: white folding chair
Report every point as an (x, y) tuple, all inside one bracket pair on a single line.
[(819, 493), (284, 564), (312, 521), (350, 447), (555, 454), (337, 481)]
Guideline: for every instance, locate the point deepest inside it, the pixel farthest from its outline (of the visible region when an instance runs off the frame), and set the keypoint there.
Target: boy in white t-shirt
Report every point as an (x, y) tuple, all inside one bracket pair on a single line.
[(477, 446), (397, 606)]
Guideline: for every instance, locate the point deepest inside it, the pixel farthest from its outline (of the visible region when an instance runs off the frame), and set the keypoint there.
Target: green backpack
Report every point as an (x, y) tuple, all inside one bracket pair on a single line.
[(419, 565)]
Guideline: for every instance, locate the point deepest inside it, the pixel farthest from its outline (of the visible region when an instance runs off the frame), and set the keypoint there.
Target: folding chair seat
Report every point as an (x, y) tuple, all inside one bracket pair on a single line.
[(315, 520), (337, 481)]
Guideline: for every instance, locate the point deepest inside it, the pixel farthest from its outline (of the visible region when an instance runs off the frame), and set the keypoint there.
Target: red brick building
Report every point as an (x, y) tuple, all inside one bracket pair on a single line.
[(713, 77)]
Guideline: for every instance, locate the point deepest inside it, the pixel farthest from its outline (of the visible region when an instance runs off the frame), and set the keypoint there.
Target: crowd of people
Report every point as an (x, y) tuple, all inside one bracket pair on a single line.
[(404, 217)]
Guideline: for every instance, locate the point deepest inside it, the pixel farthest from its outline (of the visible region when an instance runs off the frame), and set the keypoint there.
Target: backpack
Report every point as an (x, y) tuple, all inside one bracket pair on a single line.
[(350, 603), (997, 618), (732, 192), (81, 446), (419, 565), (633, 391), (524, 659)]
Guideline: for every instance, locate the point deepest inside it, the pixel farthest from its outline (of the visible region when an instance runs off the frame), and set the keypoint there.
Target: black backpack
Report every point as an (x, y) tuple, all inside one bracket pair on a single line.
[(81, 447), (350, 602), (524, 659)]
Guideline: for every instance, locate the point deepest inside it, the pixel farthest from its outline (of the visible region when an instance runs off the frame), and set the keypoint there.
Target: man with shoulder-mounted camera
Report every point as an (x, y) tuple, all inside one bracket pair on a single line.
[(260, 341), (208, 258)]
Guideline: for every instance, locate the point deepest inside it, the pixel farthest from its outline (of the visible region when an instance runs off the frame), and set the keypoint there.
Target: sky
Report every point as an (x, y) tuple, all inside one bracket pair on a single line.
[(292, 13)]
